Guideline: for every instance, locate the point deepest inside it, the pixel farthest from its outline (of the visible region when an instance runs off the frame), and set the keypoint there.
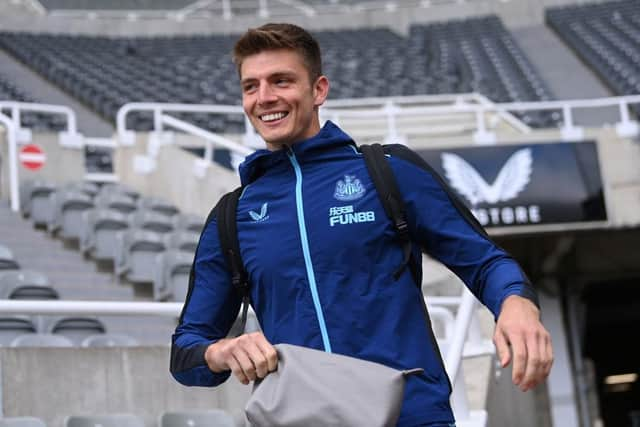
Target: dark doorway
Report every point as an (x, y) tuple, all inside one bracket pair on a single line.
[(611, 341)]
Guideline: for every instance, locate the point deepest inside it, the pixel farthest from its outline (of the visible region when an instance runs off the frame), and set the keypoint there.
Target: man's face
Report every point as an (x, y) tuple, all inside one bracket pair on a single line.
[(279, 98)]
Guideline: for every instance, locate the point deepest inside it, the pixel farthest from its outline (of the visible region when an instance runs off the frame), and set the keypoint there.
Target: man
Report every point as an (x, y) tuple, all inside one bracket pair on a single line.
[(321, 254)]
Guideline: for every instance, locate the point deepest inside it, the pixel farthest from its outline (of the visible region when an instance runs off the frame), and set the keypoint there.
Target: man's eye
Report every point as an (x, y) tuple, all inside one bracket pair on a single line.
[(282, 82), (248, 88)]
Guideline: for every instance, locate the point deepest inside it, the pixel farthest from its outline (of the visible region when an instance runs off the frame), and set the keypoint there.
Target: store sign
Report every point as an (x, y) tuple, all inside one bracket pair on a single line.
[(511, 185)]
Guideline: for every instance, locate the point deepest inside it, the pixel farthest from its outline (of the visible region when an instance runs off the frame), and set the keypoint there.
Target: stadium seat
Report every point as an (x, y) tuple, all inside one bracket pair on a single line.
[(108, 340), (110, 420), (41, 340), (135, 255), (171, 280), (157, 205), (152, 220), (99, 230), (32, 292), (87, 187), (14, 326), (188, 222), (182, 240), (69, 204), (116, 188), (74, 328), (195, 418), (7, 261), (22, 422), (40, 206), (116, 201), (25, 283)]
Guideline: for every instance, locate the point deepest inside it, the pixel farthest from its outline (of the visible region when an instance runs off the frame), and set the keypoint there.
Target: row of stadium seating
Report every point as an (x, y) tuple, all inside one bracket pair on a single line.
[(208, 418), (607, 38), (453, 57), (146, 240), (45, 330)]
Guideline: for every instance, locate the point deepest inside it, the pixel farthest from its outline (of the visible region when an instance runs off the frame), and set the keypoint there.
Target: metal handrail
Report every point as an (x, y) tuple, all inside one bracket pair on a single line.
[(17, 107)]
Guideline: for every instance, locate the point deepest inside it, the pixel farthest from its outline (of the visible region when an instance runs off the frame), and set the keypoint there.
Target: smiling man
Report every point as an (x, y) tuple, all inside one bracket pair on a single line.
[(322, 257)]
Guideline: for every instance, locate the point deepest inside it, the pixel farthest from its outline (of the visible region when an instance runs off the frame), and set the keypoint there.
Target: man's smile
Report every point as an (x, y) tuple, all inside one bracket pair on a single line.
[(272, 117)]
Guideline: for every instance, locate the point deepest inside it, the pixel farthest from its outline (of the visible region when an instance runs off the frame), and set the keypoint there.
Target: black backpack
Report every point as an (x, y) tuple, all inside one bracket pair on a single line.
[(383, 179)]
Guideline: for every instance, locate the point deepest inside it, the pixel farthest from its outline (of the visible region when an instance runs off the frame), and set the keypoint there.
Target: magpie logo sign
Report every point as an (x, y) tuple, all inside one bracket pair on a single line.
[(524, 184), (511, 180)]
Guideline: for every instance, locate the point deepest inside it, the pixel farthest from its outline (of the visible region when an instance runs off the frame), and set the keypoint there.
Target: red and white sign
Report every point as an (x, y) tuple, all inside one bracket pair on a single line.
[(32, 157)]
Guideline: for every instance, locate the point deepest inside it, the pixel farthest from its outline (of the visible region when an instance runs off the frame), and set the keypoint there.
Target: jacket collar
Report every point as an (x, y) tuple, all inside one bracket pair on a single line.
[(258, 162)]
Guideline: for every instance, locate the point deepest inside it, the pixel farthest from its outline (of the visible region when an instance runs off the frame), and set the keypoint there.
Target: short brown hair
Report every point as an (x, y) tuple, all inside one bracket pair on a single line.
[(280, 36)]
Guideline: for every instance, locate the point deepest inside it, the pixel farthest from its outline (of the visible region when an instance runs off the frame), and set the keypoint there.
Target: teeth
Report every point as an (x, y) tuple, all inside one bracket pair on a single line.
[(272, 117)]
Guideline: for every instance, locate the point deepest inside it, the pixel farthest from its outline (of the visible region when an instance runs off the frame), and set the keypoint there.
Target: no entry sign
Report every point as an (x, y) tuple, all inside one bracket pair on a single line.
[(32, 157)]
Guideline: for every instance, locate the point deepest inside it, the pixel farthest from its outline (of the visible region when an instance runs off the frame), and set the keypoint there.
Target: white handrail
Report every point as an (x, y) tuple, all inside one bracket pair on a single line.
[(207, 136), (464, 315), (170, 309), (13, 161), (17, 107)]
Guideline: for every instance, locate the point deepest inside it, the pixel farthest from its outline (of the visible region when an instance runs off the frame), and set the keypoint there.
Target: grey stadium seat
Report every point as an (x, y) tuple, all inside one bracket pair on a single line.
[(12, 327), (99, 230), (40, 204), (148, 219), (115, 201), (74, 328), (22, 422), (182, 240), (135, 257), (87, 187), (116, 188), (7, 261), (158, 205), (171, 281), (111, 420), (188, 222), (195, 418), (26, 284), (41, 340), (109, 340), (34, 189), (68, 207)]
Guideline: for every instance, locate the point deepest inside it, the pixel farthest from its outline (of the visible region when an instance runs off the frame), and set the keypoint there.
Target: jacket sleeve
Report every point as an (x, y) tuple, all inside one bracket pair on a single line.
[(211, 307), (447, 231)]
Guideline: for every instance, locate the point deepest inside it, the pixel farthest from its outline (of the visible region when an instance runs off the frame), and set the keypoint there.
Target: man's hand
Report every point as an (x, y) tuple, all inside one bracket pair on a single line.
[(249, 356), (520, 334)]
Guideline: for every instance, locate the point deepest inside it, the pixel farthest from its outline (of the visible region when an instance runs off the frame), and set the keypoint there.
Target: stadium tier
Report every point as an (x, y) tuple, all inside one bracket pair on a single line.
[(607, 38), (475, 54), (10, 90)]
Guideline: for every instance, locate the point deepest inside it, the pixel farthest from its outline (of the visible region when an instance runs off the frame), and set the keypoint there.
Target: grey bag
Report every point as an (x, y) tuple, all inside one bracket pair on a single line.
[(314, 388)]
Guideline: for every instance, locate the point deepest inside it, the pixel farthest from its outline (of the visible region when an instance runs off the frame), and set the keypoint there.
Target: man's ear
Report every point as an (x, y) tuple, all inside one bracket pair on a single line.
[(321, 90)]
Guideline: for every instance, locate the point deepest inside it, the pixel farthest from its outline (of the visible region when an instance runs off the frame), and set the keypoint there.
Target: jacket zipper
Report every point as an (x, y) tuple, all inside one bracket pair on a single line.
[(307, 253)]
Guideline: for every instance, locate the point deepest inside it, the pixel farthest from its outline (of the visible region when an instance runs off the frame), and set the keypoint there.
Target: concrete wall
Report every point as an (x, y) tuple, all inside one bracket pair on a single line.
[(515, 13), (174, 178), (55, 383), (61, 165)]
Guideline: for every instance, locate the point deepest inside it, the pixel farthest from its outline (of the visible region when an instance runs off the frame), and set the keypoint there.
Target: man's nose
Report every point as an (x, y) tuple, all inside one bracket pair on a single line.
[(266, 94)]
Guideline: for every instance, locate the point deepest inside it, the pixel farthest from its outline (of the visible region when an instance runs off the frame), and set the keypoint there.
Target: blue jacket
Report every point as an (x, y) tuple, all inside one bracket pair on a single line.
[(320, 253)]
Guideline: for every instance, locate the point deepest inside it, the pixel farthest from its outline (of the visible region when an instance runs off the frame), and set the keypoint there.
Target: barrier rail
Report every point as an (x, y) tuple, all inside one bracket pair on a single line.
[(455, 328), (70, 138)]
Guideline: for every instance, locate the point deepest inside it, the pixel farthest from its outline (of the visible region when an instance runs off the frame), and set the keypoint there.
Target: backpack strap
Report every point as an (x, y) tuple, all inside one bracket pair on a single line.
[(228, 235), (387, 188)]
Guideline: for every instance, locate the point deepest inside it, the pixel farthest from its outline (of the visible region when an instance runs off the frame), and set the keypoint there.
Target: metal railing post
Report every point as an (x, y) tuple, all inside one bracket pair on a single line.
[(12, 141)]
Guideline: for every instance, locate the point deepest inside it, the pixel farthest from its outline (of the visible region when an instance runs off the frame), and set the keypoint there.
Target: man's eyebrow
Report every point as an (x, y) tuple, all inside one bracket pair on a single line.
[(275, 75)]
